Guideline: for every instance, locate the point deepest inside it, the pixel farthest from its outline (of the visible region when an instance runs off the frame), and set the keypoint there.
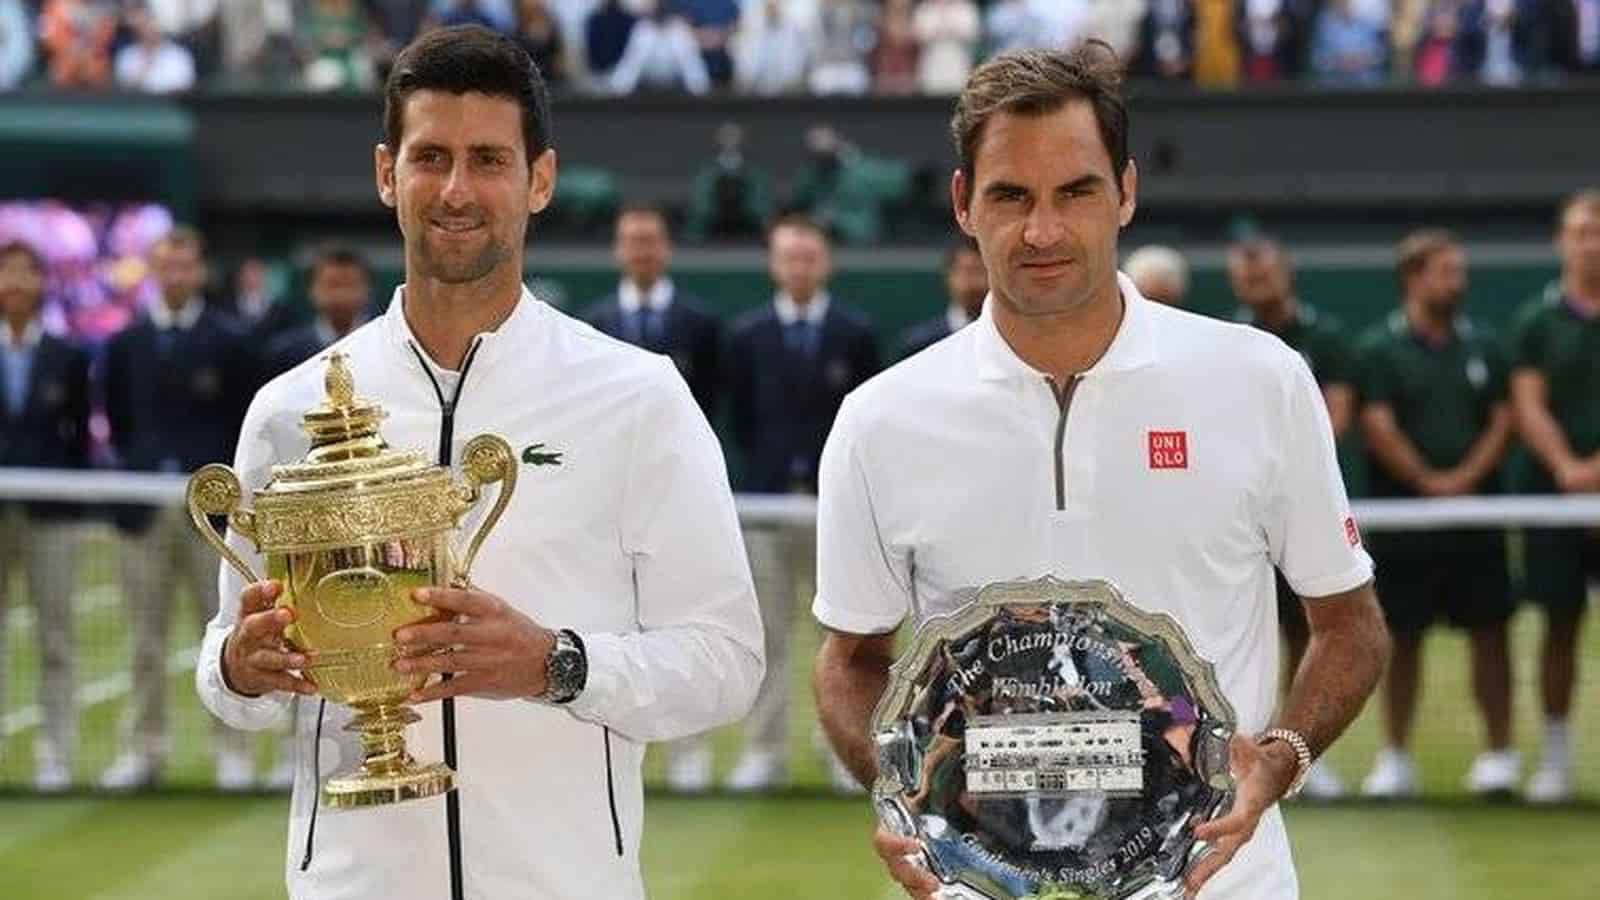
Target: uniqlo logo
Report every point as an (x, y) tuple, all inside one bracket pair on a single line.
[(1351, 532), (1169, 449)]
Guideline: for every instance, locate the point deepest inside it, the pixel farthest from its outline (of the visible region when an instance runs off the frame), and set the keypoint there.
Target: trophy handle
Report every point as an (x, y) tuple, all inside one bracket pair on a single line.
[(486, 459), (214, 490)]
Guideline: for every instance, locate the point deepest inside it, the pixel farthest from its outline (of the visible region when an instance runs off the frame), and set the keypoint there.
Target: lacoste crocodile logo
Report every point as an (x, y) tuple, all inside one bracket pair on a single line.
[(536, 455)]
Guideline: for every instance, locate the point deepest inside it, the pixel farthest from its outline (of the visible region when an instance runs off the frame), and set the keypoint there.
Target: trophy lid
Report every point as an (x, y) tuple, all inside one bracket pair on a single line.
[(347, 449)]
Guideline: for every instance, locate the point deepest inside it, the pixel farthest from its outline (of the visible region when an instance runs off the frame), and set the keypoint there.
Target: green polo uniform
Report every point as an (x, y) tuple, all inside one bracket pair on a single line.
[(1442, 396), (1555, 338)]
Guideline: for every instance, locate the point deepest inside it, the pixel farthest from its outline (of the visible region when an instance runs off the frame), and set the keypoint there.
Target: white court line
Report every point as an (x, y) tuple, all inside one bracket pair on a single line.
[(94, 693), (89, 601)]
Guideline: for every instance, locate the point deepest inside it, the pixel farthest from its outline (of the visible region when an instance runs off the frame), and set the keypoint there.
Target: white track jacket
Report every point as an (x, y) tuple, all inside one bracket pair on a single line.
[(631, 540)]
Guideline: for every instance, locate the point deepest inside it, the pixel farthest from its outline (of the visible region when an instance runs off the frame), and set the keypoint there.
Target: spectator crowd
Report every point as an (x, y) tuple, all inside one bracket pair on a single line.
[(771, 47)]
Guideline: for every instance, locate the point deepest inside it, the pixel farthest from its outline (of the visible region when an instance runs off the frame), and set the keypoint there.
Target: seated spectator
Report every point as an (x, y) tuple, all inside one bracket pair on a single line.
[(1572, 33), (334, 34), (606, 33), (729, 198), (1497, 40), (661, 55), (1166, 41), (847, 32), (257, 37), (1012, 25), (196, 24), (153, 63), (1434, 58), (400, 21), (500, 15), (775, 42), (16, 44), (894, 57), (948, 31), (1348, 48), (539, 34), (1062, 23), (1272, 39), (77, 35), (1117, 23), (713, 22), (846, 190), (1216, 49)]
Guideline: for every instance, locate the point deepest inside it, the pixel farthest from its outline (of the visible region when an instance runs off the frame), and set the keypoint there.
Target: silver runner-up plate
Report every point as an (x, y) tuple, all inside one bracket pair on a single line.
[(1051, 741)]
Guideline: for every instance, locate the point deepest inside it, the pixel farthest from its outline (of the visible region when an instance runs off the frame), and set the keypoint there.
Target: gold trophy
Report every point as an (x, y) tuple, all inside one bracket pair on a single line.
[(351, 531)]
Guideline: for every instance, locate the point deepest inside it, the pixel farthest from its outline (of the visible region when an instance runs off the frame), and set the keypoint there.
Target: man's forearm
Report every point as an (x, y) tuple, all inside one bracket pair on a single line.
[(848, 686), (1339, 672)]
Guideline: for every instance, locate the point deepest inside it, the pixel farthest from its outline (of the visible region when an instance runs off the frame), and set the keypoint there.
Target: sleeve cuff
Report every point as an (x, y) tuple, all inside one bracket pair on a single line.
[(603, 653), (234, 708), (1328, 585), (850, 621)]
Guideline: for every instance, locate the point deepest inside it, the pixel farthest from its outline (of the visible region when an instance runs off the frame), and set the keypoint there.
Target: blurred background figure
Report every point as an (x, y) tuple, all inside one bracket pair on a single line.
[(776, 42), (44, 424), (1437, 421), (1261, 275), (176, 383), (790, 364), (152, 63), (661, 55), (77, 38), (1160, 273), (966, 284), (948, 32), (729, 197), (1554, 380), (340, 288)]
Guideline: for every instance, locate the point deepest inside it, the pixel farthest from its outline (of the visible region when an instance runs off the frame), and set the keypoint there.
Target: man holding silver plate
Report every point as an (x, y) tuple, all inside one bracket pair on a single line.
[(1080, 501)]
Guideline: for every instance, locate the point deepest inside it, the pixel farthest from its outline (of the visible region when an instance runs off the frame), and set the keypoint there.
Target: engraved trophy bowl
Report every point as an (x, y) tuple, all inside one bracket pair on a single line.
[(351, 530), (1051, 741)]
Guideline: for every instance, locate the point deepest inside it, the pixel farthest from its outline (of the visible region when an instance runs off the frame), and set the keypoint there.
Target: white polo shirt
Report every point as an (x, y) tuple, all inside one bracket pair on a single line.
[(1193, 457)]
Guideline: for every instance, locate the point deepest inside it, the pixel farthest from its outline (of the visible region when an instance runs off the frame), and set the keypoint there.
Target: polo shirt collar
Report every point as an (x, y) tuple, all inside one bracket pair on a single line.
[(1133, 346), (517, 327)]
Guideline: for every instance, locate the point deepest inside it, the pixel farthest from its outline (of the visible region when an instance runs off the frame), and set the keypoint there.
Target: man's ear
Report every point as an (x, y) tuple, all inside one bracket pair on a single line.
[(542, 181), (961, 200), (383, 163), (1130, 194)]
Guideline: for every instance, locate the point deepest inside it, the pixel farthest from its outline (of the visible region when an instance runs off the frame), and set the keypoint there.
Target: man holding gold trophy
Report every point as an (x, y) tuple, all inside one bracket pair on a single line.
[(609, 601), (1086, 710)]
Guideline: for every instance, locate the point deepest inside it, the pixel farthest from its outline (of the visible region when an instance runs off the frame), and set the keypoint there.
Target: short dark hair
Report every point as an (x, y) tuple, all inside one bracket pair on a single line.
[(641, 208), (182, 236), (23, 248), (1038, 82), (468, 59), (799, 221), (956, 247), (1588, 198), (1412, 256), (340, 255)]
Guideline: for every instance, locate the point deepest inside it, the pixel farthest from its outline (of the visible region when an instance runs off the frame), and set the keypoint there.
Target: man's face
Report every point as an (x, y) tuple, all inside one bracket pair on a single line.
[(1441, 283), (1045, 209), (179, 269), (641, 247), (1259, 274), (800, 261), (967, 281), (1579, 243), (21, 286), (461, 186), (340, 292)]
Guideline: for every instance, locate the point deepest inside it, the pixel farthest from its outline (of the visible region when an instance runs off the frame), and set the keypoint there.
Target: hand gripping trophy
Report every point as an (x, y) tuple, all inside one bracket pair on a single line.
[(350, 531)]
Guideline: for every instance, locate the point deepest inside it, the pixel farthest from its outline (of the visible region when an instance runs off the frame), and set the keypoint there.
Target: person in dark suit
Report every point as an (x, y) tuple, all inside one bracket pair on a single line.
[(44, 423), (649, 311), (340, 285), (176, 384), (966, 282), (790, 364)]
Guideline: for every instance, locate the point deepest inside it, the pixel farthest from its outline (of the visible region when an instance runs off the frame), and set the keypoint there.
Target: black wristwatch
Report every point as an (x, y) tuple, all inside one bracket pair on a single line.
[(567, 668)]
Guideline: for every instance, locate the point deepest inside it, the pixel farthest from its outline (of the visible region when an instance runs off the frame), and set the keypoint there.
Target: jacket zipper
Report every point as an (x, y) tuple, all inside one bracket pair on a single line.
[(1064, 403), (452, 800), (316, 779), (611, 794)]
